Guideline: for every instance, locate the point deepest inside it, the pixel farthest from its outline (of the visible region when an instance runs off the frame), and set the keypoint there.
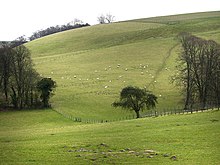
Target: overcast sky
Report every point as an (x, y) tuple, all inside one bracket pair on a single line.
[(23, 17)]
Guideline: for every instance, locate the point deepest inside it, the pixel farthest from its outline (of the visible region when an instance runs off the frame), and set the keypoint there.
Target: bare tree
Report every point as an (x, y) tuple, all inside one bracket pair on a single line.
[(101, 19), (77, 22), (108, 18), (23, 78), (5, 69), (198, 66)]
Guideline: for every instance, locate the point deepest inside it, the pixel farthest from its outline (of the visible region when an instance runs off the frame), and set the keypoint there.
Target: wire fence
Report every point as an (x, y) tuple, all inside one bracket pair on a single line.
[(86, 120), (148, 113)]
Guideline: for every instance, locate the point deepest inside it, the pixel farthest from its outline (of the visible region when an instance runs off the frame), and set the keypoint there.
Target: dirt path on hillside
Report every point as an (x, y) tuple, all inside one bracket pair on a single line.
[(160, 69)]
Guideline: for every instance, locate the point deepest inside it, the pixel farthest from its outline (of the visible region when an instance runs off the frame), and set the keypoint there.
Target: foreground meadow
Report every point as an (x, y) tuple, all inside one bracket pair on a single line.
[(45, 137)]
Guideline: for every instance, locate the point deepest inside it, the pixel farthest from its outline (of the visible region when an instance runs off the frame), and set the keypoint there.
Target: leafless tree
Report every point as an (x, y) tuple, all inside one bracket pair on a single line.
[(198, 66), (108, 18), (101, 19)]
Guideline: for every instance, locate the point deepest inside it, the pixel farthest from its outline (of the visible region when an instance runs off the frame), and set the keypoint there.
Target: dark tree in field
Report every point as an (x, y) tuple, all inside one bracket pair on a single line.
[(46, 87), (5, 69), (23, 78), (136, 99), (17, 77), (198, 68)]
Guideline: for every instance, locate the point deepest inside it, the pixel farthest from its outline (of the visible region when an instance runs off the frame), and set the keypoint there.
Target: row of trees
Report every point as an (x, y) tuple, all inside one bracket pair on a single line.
[(199, 71), (102, 19), (20, 84), (58, 28)]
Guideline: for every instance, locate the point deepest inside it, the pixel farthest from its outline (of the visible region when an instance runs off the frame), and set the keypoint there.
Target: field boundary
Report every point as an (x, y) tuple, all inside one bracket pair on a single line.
[(148, 113)]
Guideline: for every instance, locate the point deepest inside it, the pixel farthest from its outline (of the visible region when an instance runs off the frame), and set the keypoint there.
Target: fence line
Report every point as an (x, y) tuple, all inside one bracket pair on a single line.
[(149, 113), (84, 120)]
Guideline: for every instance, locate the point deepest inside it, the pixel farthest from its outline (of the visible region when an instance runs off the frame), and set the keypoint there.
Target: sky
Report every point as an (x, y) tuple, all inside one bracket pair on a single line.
[(23, 17)]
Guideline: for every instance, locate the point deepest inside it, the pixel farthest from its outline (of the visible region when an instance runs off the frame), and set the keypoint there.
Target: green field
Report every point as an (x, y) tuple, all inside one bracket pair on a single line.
[(85, 62), (91, 65), (45, 137)]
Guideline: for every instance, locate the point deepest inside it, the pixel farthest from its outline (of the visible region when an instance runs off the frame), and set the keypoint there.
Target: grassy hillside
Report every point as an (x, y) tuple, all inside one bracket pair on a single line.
[(45, 137), (91, 65)]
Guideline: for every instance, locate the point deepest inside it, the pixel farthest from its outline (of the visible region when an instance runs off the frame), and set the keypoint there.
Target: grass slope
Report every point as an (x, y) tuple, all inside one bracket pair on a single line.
[(45, 137), (84, 61)]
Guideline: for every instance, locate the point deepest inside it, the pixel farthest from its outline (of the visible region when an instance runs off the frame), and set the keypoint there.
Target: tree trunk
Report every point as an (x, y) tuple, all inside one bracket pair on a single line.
[(137, 114)]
